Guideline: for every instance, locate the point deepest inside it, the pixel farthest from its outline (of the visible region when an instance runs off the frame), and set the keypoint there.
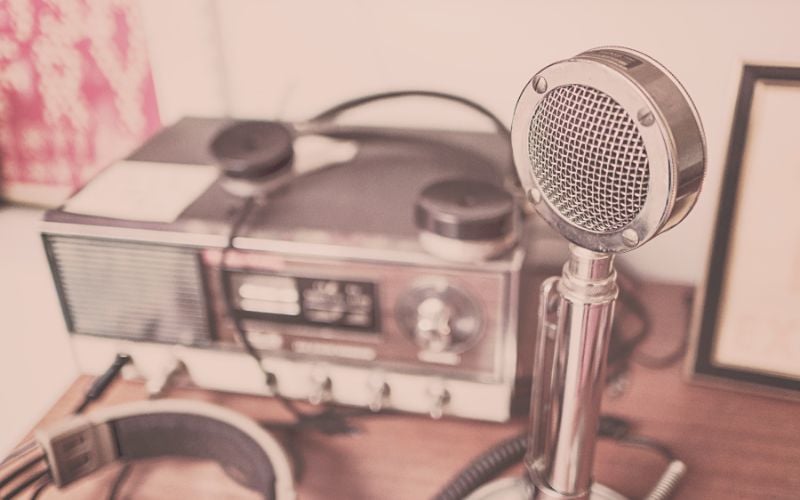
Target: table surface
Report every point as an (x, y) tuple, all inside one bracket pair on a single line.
[(736, 445)]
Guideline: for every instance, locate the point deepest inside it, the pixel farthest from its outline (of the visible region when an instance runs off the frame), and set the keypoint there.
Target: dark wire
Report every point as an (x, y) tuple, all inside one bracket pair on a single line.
[(324, 420), (333, 112), (628, 349), (40, 489), (25, 484), (511, 180), (102, 382), (328, 421), (21, 469), (648, 444), (672, 357), (484, 467), (269, 377), (122, 476), (624, 343), (510, 451)]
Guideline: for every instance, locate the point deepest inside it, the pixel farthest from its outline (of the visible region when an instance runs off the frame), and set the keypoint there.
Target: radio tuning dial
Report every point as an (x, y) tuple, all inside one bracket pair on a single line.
[(433, 328), (439, 317)]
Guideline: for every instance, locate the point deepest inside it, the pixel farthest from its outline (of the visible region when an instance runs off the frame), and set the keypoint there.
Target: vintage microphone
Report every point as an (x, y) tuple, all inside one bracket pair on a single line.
[(611, 152)]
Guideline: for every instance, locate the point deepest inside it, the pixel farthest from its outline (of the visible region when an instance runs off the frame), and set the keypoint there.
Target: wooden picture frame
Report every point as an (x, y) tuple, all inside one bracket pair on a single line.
[(747, 319)]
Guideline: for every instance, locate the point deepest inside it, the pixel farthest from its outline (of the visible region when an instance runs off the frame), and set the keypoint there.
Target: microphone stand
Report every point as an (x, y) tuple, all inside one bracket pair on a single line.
[(575, 315)]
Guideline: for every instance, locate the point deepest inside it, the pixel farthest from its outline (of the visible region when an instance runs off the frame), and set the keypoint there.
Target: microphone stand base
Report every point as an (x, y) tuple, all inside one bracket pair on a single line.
[(519, 488)]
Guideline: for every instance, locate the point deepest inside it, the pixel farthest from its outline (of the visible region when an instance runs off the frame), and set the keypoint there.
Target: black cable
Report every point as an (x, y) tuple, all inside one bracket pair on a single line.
[(666, 360), (25, 484), (269, 377), (510, 451), (511, 179), (329, 420), (648, 444), (21, 469), (624, 350), (625, 341), (333, 112), (485, 467), (40, 489), (122, 476), (102, 382)]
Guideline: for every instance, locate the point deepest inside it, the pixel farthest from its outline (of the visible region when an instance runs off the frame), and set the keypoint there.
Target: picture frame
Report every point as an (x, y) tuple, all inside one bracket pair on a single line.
[(747, 317)]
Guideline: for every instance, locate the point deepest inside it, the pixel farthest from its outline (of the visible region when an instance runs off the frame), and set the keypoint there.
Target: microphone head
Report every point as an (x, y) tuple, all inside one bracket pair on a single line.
[(609, 148)]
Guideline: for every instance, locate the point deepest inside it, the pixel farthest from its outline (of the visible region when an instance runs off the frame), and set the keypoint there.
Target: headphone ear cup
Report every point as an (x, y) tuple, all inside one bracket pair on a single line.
[(253, 150)]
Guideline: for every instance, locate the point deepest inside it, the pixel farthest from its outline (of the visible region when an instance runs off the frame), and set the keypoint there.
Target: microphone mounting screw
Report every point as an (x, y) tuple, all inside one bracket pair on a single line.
[(645, 117), (539, 84), (535, 196), (630, 237)]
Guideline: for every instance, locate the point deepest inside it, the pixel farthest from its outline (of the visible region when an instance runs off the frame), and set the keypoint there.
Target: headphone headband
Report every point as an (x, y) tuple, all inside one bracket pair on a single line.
[(147, 429)]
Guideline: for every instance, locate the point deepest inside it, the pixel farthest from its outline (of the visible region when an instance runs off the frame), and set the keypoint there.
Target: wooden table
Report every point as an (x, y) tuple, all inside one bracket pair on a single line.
[(737, 446)]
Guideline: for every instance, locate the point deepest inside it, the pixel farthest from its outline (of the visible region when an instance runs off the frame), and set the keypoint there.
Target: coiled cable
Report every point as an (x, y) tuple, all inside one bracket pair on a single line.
[(511, 451), (483, 468)]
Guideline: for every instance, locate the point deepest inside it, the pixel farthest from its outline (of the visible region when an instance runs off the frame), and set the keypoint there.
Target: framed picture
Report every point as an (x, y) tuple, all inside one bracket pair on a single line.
[(747, 332)]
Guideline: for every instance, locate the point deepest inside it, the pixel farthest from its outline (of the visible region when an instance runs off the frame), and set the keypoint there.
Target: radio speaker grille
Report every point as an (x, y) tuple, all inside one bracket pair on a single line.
[(589, 158), (129, 290)]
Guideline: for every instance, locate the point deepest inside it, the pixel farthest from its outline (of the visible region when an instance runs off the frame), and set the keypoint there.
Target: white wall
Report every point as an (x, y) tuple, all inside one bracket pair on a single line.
[(35, 358), (289, 59)]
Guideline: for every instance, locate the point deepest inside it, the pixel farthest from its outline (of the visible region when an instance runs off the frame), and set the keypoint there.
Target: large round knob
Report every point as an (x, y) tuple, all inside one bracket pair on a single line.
[(466, 220), (439, 317)]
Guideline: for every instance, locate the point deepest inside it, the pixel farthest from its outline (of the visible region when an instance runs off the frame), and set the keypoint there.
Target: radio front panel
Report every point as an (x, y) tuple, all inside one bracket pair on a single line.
[(399, 316)]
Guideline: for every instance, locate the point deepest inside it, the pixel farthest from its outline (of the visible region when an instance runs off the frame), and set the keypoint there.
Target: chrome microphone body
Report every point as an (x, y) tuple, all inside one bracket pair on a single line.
[(611, 152), (575, 315)]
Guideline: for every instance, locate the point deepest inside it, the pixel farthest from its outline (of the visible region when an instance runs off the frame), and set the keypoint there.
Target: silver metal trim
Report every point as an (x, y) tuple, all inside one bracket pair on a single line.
[(351, 253), (135, 235), (519, 488), (675, 142)]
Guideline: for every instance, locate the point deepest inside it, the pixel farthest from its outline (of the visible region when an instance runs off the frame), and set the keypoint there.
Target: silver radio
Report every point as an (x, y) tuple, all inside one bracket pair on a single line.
[(372, 267)]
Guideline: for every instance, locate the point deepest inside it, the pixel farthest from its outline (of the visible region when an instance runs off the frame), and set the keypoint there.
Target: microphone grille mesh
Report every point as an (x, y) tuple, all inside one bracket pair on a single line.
[(588, 158)]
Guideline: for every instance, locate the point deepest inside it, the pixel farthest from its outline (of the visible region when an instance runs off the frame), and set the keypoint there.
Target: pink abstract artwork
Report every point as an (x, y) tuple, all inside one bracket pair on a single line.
[(76, 93)]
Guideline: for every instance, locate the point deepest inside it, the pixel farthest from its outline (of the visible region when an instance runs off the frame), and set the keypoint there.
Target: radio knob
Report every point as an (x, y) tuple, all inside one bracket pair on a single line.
[(379, 391), (321, 388), (159, 382), (440, 398), (439, 317)]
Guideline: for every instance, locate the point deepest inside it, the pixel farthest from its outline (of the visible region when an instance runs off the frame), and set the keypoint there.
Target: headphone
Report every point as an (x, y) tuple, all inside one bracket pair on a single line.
[(82, 444)]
